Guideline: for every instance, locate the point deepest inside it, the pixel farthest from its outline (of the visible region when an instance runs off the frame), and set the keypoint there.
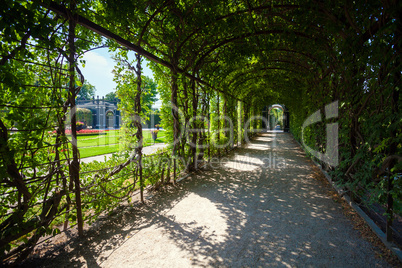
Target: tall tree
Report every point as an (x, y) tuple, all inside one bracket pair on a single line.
[(111, 96), (126, 77), (150, 87), (87, 91)]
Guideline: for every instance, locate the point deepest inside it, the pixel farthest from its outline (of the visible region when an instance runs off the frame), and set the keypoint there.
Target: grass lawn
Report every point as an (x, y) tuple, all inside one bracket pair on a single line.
[(92, 145), (99, 150)]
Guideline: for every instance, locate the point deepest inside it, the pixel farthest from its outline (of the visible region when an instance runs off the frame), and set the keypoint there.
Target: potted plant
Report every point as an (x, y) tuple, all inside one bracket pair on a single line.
[(154, 134), (157, 126), (79, 125)]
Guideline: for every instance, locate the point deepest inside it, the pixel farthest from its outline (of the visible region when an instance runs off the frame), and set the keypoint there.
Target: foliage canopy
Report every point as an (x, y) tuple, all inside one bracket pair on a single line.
[(212, 60)]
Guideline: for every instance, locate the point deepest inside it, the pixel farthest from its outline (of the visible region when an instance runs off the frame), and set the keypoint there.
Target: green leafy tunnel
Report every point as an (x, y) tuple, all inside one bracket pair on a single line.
[(211, 59)]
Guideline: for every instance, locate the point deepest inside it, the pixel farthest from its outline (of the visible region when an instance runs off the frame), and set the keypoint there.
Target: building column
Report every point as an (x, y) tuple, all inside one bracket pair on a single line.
[(116, 119), (103, 109), (103, 114), (98, 112)]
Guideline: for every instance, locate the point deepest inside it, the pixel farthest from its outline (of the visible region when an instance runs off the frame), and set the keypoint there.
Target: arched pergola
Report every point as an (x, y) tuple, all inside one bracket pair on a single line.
[(222, 61)]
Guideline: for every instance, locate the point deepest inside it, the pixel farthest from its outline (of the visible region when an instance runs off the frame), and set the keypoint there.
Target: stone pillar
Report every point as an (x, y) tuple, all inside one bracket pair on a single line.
[(98, 112), (116, 119), (103, 115), (94, 118), (119, 123)]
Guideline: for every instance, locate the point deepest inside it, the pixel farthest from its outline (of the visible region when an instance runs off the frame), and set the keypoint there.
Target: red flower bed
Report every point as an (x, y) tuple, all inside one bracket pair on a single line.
[(84, 131), (90, 131)]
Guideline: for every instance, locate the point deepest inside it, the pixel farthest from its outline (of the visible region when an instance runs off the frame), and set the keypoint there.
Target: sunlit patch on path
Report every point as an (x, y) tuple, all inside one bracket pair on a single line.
[(242, 212)]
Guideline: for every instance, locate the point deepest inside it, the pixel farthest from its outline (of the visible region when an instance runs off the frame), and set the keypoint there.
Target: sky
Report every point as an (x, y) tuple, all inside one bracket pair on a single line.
[(98, 71)]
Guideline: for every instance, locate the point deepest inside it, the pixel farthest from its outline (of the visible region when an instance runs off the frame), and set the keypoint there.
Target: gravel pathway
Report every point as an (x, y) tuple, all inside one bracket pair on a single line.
[(264, 206)]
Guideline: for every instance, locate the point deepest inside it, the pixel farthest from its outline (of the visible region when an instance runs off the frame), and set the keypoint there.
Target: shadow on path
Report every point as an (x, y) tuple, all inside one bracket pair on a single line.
[(263, 206)]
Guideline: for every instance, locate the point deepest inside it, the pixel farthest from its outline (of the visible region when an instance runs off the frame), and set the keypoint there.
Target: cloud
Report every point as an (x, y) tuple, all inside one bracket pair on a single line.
[(98, 64), (98, 71)]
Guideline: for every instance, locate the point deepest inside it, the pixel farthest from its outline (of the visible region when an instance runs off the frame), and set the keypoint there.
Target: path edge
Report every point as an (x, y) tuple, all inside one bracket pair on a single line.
[(380, 234)]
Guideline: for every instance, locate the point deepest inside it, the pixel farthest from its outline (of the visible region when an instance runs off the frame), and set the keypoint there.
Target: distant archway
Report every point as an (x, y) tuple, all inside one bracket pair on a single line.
[(285, 116), (109, 119)]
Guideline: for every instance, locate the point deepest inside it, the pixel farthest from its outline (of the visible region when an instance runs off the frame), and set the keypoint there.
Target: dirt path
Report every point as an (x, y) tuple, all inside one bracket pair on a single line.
[(263, 207)]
